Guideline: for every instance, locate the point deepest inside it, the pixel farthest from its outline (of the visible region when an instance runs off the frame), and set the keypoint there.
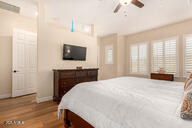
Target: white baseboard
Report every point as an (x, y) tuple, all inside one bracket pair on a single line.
[(43, 99), (3, 96)]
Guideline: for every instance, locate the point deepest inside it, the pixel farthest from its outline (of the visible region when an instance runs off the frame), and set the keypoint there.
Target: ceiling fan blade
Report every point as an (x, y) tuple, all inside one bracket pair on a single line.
[(137, 3), (117, 8)]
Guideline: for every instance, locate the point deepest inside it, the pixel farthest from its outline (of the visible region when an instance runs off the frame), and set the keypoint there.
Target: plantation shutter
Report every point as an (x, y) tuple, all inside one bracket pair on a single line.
[(143, 58), (134, 59), (164, 55), (188, 54), (139, 58), (157, 56), (171, 56)]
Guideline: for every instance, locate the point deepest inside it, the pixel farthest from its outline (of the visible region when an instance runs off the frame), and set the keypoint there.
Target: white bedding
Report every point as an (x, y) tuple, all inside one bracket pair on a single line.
[(127, 102)]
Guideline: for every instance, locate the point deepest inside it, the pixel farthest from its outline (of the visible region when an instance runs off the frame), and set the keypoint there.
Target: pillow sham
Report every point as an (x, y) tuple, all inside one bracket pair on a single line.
[(188, 82), (186, 109)]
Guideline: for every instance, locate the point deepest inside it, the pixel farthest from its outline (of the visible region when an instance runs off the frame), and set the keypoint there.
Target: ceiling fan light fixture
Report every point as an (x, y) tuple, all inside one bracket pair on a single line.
[(125, 2)]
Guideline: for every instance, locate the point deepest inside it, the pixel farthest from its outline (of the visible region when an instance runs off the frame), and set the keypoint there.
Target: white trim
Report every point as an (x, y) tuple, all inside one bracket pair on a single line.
[(3, 96), (44, 99)]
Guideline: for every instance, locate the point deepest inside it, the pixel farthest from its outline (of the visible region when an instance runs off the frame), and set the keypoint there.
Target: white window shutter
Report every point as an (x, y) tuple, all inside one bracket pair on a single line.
[(134, 59), (142, 58), (157, 56), (164, 55), (138, 59), (171, 56), (188, 55)]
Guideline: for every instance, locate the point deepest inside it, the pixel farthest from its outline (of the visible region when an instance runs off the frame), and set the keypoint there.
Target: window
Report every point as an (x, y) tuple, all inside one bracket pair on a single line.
[(187, 54), (164, 55), (134, 59), (139, 59), (157, 56), (109, 54)]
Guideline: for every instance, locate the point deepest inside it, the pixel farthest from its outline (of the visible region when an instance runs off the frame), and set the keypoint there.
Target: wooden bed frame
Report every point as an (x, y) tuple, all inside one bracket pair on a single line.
[(72, 119)]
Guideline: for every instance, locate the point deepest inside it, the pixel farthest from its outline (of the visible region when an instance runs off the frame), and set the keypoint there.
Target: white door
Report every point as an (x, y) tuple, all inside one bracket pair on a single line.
[(24, 62)]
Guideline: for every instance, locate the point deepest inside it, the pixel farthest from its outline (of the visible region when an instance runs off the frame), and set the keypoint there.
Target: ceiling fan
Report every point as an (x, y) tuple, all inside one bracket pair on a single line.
[(127, 2)]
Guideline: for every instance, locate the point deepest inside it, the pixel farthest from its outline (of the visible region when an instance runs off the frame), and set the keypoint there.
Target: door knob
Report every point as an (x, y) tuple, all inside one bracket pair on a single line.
[(15, 71)]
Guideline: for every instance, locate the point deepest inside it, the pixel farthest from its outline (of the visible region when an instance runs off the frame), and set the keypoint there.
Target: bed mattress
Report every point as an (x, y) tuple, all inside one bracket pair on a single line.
[(127, 102)]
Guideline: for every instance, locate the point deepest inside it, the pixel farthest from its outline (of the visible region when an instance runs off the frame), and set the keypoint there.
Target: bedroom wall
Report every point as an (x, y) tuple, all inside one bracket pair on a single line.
[(121, 56), (116, 69), (173, 30), (8, 21), (108, 71), (50, 44)]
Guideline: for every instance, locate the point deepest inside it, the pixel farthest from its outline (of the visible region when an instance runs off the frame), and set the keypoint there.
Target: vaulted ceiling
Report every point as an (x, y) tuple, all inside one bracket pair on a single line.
[(128, 20)]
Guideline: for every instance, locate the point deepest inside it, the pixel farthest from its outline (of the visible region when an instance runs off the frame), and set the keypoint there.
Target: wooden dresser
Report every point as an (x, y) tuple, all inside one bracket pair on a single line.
[(158, 76), (64, 80)]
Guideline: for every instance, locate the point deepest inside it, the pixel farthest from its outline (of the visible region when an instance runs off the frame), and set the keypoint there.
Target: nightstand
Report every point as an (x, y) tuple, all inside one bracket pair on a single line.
[(159, 76)]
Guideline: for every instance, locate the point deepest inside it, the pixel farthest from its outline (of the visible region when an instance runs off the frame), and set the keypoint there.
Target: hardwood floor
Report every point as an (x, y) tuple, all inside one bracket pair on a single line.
[(43, 115)]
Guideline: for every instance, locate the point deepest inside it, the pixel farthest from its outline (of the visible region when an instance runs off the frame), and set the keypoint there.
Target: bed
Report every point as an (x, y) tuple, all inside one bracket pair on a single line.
[(125, 102)]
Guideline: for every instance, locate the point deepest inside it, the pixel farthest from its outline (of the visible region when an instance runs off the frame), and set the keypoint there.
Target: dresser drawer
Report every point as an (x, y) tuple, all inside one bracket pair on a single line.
[(92, 73), (64, 90), (67, 74), (67, 82), (91, 78), (81, 74)]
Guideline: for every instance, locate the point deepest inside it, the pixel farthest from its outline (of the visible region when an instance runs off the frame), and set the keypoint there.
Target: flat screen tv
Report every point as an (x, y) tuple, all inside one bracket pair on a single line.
[(71, 52)]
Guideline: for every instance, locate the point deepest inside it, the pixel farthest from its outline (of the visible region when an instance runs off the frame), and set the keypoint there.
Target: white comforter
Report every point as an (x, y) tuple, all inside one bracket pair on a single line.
[(127, 102)]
